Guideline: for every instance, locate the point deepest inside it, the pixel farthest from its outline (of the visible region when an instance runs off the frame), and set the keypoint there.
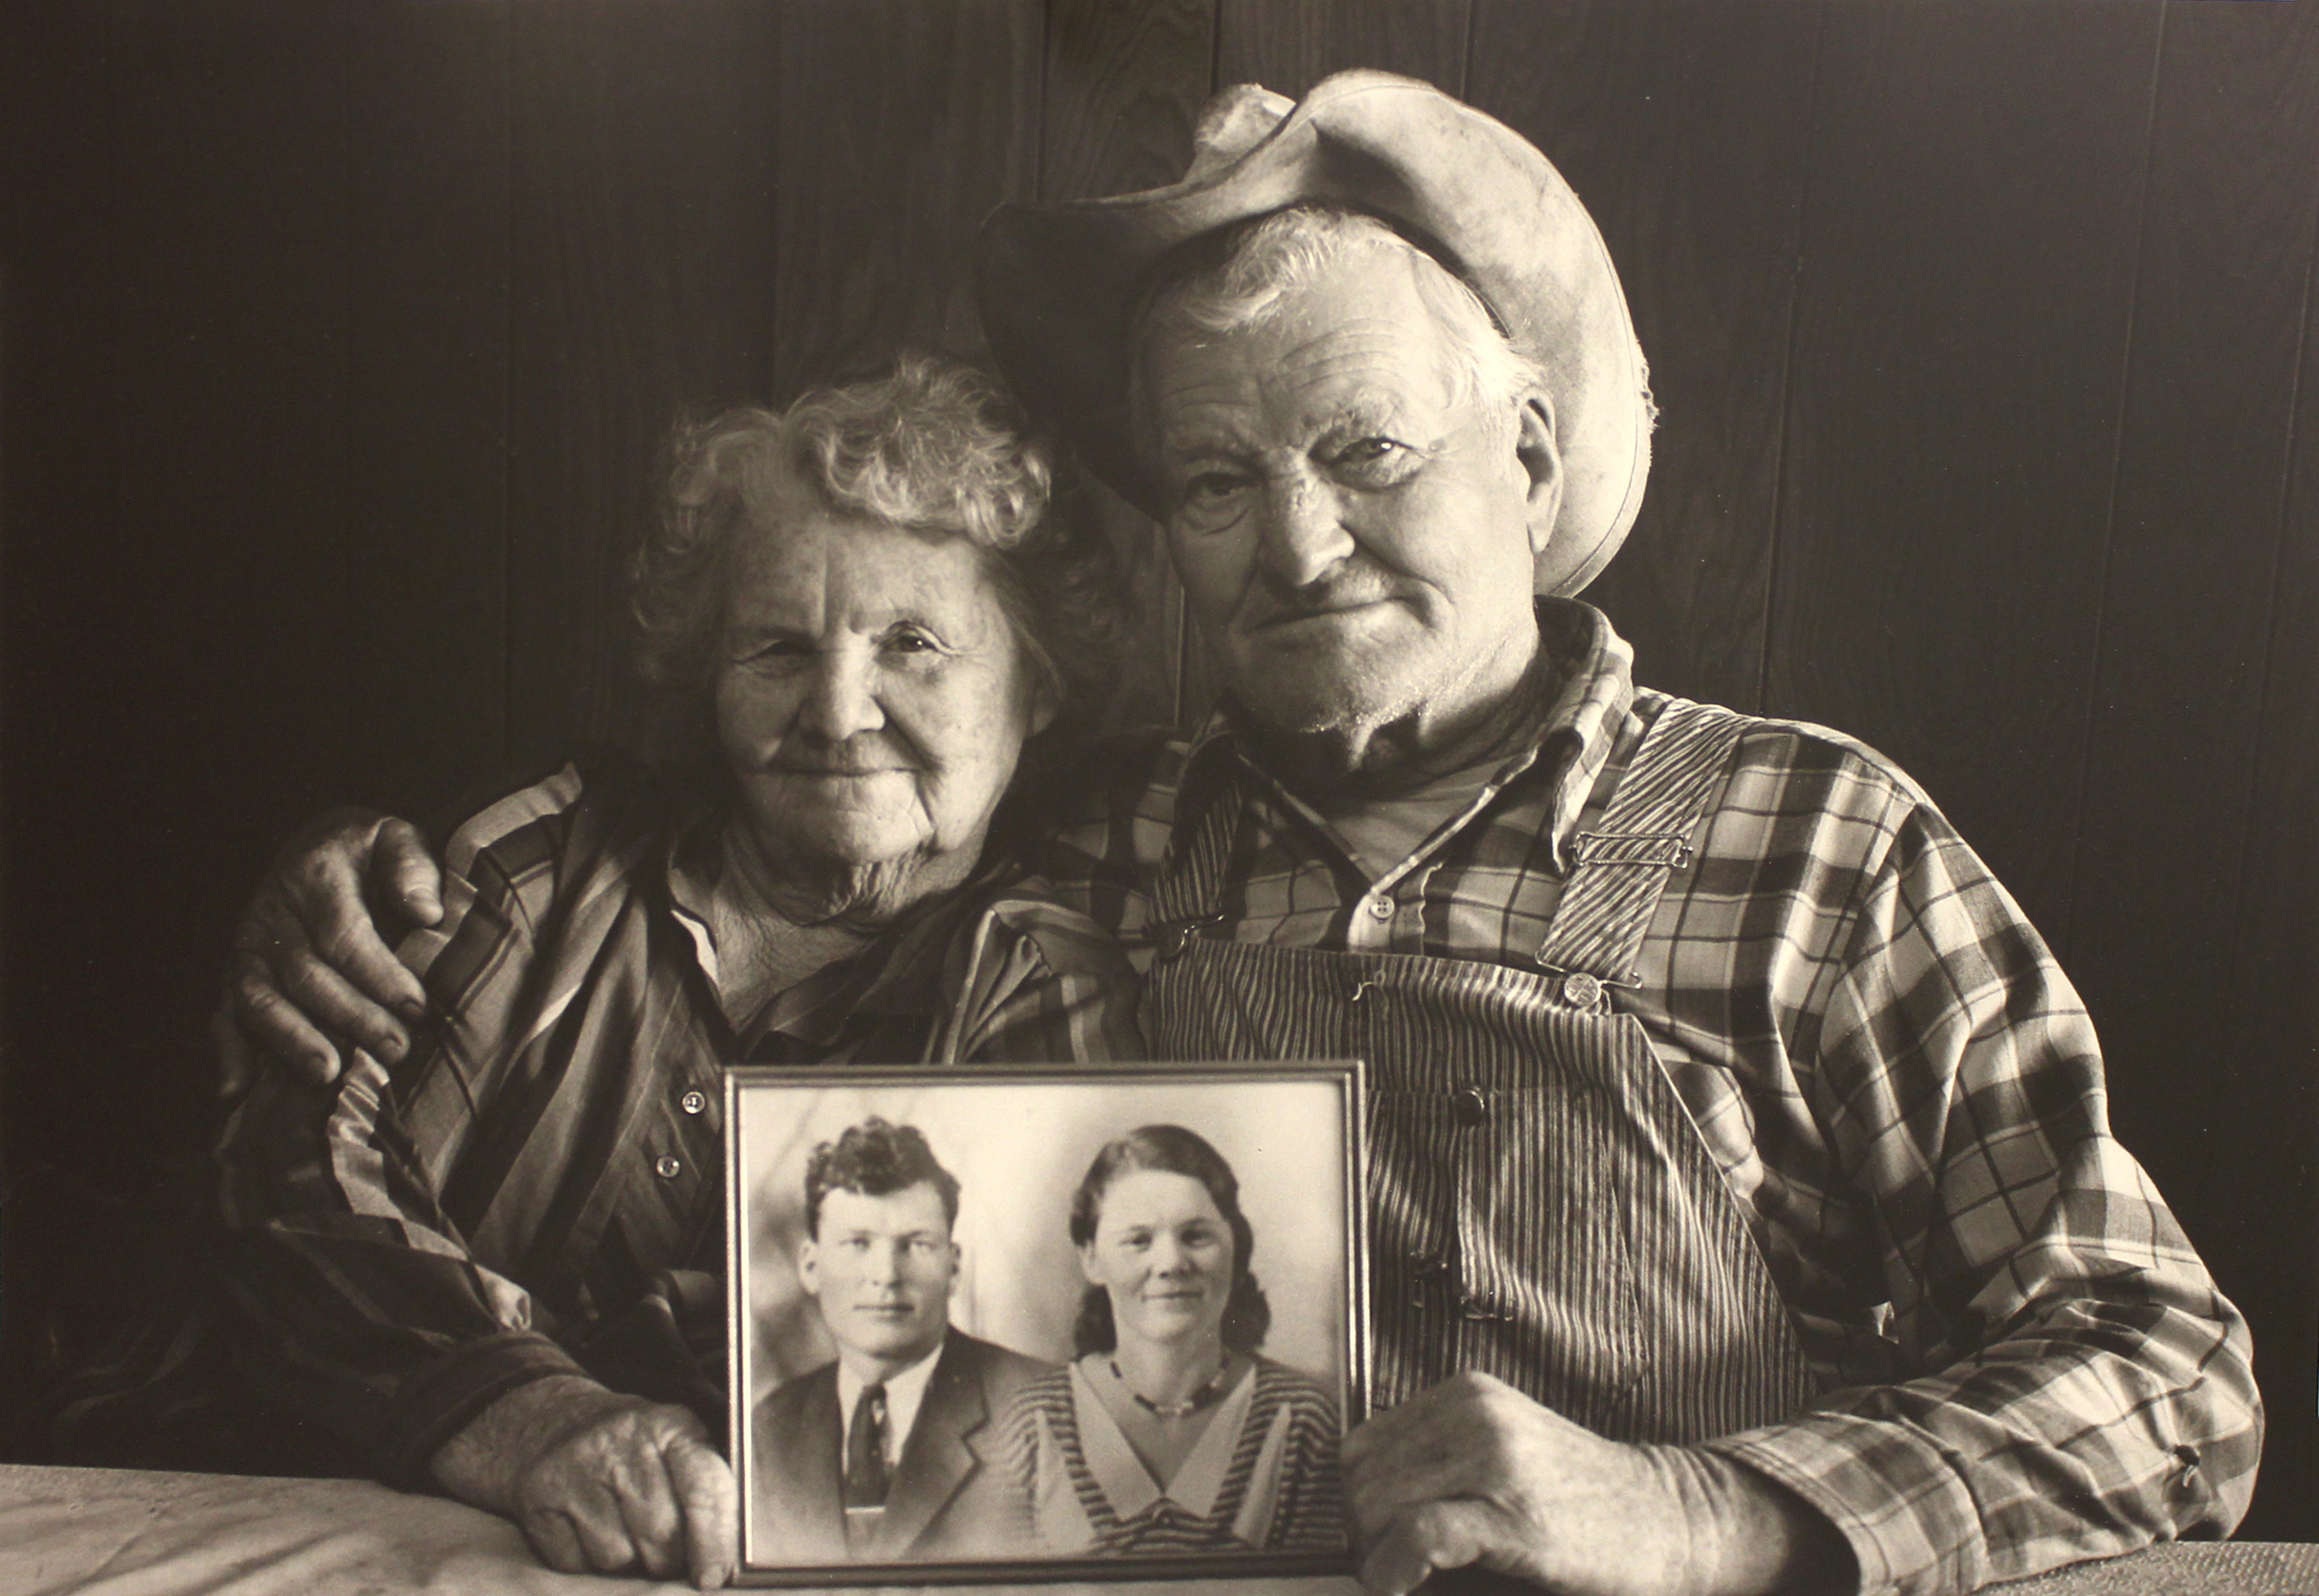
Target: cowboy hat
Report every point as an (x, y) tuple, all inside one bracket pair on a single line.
[(1060, 283)]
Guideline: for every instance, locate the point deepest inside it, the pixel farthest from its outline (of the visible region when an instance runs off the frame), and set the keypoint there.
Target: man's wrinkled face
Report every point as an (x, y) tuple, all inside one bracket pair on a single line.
[(881, 1268), (1354, 537)]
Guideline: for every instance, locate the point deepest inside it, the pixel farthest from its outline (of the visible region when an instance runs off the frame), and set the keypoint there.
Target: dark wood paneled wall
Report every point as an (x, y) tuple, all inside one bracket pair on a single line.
[(340, 335)]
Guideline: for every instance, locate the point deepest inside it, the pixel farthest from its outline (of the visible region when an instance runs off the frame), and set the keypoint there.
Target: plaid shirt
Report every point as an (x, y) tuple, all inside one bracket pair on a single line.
[(411, 1244), (2024, 1361)]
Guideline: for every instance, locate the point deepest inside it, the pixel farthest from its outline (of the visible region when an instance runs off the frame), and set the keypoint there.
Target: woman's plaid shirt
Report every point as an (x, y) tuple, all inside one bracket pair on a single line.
[(2024, 1361), (411, 1244)]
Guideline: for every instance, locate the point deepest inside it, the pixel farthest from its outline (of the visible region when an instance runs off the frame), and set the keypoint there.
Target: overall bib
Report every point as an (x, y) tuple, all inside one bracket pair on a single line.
[(1541, 1208)]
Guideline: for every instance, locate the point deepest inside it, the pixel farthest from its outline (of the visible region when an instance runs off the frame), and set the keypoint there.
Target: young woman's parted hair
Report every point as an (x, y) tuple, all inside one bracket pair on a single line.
[(1247, 1316)]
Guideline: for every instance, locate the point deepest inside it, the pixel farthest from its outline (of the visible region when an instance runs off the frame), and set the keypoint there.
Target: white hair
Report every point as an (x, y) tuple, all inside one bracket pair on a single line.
[(935, 447), (1261, 265)]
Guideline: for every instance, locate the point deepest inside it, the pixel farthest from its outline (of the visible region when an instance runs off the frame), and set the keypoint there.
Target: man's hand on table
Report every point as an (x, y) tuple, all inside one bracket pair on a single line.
[(600, 1483), (1473, 1473), (312, 976)]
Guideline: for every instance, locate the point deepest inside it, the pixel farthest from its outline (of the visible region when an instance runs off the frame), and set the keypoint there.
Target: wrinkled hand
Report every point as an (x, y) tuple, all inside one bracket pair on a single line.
[(600, 1483), (1472, 1473), (312, 975)]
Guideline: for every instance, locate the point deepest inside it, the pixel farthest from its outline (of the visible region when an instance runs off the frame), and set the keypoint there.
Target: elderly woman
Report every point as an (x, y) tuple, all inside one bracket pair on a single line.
[(1170, 1434), (478, 1266)]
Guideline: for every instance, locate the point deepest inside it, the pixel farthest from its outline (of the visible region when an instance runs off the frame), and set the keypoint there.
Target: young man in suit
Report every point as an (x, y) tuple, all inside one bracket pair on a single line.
[(884, 1453)]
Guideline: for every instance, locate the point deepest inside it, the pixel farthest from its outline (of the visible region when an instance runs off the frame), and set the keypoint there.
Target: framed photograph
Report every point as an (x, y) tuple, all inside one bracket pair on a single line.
[(1041, 1323)]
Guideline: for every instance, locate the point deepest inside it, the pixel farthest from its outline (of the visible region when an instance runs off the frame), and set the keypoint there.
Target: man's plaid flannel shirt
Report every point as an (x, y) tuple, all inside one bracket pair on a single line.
[(2025, 1363)]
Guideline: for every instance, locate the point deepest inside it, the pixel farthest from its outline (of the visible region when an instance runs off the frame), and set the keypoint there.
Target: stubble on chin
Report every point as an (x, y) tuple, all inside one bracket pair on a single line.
[(1317, 719), (1378, 726)]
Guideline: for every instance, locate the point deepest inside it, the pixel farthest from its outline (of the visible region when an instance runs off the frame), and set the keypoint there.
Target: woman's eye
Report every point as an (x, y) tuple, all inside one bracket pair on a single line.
[(912, 642)]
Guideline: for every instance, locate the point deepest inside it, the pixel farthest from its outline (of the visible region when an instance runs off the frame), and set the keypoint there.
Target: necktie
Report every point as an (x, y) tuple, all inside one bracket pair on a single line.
[(865, 1450)]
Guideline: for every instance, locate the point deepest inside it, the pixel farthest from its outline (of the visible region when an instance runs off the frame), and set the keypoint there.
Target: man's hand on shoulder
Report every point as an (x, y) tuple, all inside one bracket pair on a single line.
[(600, 1483), (312, 974), (1472, 1473)]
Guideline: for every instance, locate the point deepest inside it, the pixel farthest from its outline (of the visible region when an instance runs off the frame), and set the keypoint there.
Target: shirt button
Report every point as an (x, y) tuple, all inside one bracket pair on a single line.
[(693, 1102), (1380, 907), (668, 1166), (1581, 990), (1470, 1104)]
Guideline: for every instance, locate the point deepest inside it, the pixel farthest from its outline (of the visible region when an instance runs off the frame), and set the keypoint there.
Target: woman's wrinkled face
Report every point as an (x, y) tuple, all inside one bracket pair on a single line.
[(1163, 1253), (871, 696)]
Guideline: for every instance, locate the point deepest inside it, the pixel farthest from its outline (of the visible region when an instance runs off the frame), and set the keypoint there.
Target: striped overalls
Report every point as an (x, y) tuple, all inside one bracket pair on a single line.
[(1541, 1208)]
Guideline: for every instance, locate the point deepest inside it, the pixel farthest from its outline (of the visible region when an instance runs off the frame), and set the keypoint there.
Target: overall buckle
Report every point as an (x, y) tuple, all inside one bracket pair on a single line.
[(1171, 937)]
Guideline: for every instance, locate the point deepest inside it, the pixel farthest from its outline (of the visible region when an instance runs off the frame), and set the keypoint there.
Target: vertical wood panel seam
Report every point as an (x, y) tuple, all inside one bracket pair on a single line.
[(1780, 495), (1465, 54), (349, 568), (1039, 84), (2271, 643), (769, 375), (2059, 936), (514, 40)]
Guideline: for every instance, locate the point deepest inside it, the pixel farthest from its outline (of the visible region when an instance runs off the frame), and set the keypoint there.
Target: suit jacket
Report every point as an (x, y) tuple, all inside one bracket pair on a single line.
[(948, 1496)]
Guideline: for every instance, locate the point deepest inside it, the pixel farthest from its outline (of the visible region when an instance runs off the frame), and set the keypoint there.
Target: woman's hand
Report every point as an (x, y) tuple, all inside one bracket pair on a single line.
[(1472, 1473), (600, 1483), (311, 973)]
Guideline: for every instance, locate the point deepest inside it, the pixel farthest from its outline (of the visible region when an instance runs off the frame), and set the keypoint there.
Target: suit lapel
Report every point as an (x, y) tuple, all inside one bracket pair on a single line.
[(936, 1458), (809, 1461)]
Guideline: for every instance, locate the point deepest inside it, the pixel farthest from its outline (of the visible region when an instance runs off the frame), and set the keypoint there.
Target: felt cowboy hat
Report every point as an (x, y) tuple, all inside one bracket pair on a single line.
[(1060, 283)]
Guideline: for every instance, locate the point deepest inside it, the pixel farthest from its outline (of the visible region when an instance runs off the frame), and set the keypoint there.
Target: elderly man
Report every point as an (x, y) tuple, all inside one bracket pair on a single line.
[(1746, 1215), (877, 1455)]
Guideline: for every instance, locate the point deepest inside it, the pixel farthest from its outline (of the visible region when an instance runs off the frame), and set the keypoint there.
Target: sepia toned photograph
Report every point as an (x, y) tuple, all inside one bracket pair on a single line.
[(1041, 1323), (1723, 593)]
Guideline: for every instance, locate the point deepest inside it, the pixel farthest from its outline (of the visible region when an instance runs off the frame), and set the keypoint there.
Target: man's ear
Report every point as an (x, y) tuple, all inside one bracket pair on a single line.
[(809, 1267), (1542, 463)]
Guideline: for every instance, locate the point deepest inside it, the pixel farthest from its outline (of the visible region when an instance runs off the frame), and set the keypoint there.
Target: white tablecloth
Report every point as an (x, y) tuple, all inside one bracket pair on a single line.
[(111, 1532)]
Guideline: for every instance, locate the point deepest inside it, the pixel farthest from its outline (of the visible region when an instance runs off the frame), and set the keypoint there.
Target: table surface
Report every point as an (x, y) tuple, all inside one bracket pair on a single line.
[(111, 1532)]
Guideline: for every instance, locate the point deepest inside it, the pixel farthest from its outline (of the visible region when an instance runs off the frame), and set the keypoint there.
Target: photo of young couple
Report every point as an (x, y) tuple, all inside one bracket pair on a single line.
[(1027, 1323)]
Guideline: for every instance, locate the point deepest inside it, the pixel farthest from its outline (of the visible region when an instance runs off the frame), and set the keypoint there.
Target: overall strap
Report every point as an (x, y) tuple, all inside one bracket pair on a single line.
[(1620, 870), (1189, 896)]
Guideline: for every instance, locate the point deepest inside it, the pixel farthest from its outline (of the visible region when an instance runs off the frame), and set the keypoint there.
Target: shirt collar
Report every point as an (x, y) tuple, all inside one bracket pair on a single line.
[(1200, 1479), (905, 1393), (1590, 671)]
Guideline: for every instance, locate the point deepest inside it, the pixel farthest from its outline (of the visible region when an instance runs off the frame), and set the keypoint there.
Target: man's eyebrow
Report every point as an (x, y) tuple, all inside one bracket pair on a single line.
[(1369, 412)]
